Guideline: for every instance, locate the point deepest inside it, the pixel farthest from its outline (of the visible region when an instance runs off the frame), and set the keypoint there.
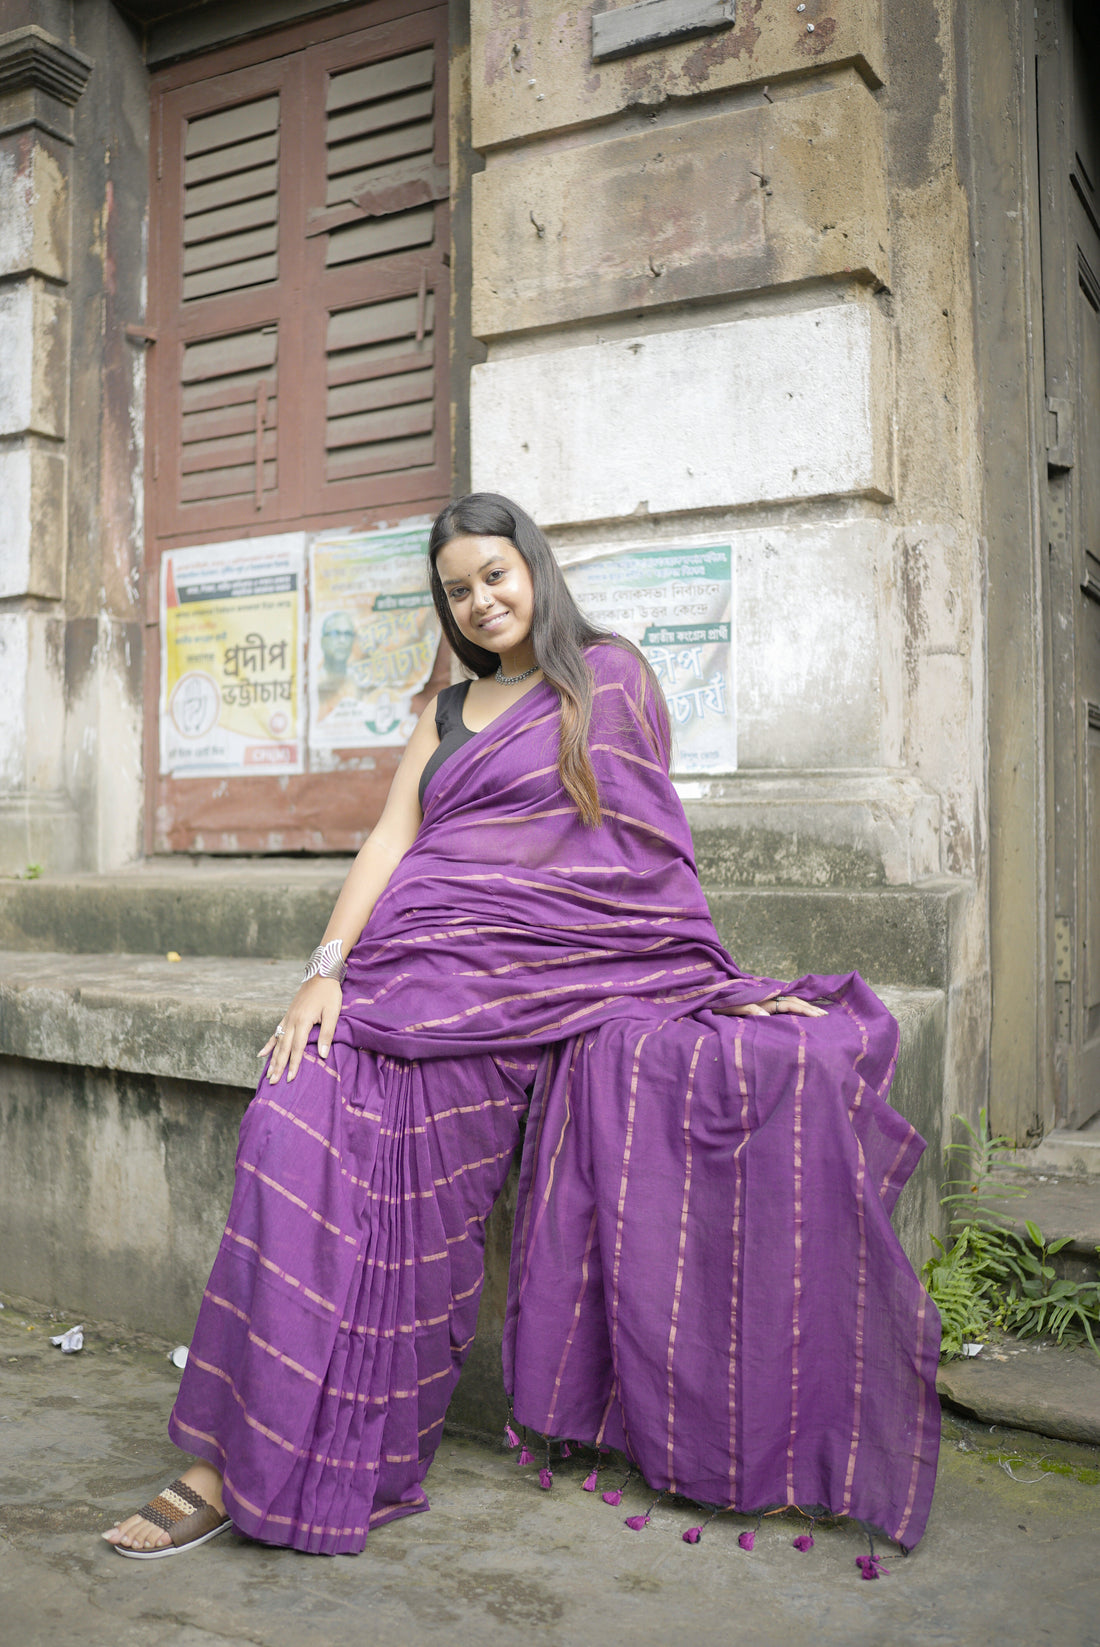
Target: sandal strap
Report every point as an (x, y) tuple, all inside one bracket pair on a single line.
[(176, 1503)]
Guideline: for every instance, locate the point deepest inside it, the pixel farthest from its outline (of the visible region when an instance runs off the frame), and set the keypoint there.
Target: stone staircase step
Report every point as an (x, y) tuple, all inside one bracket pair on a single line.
[(270, 909), (199, 1019), (1067, 1154), (278, 908), (904, 933), (1030, 1385), (1061, 1207)]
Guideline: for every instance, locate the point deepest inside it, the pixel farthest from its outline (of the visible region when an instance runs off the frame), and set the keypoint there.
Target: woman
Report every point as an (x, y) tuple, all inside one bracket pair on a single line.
[(703, 1273)]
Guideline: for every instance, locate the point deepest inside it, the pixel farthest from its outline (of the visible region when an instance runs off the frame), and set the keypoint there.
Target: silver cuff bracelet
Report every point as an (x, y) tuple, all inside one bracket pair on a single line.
[(327, 961)]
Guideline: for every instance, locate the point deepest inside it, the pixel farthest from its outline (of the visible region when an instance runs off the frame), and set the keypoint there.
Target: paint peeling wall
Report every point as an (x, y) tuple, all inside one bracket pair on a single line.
[(73, 204)]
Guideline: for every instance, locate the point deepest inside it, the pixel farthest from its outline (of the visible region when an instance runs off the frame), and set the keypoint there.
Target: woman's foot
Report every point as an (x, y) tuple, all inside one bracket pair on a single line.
[(135, 1533)]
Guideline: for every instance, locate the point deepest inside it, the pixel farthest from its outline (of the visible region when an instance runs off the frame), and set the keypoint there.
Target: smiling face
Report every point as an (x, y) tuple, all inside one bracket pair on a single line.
[(490, 595)]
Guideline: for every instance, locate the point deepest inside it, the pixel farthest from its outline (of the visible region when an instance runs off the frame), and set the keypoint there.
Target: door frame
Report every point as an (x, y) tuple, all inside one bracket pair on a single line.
[(997, 48)]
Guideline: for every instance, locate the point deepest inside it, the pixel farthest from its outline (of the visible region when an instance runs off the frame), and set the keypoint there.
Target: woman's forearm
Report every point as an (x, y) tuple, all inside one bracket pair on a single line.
[(367, 879)]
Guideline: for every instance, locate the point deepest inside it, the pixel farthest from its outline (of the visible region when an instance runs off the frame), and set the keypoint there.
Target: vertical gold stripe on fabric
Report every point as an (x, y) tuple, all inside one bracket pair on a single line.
[(628, 1145), (918, 1445), (796, 1329), (861, 1310), (680, 1258), (735, 1254), (896, 1162), (586, 1262)]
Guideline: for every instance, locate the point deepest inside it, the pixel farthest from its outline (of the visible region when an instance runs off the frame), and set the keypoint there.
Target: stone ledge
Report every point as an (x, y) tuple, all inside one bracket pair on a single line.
[(904, 933), (197, 1020), (1033, 1386)]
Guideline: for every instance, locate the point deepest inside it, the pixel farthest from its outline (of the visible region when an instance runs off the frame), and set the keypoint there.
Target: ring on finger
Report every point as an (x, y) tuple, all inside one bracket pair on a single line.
[(279, 1032)]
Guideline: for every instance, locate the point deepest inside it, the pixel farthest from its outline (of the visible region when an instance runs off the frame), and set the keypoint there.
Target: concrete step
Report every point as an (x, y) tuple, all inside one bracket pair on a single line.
[(1067, 1154), (122, 1082), (1030, 1385), (278, 909), (1062, 1208)]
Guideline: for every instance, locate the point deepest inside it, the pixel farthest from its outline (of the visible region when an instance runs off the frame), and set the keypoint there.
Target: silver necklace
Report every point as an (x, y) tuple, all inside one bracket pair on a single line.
[(510, 680)]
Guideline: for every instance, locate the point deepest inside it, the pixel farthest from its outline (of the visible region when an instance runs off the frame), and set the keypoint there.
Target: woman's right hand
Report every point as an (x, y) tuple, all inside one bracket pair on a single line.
[(317, 1002)]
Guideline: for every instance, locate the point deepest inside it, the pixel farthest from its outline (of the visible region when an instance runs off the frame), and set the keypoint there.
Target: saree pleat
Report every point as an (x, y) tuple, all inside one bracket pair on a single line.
[(703, 1269)]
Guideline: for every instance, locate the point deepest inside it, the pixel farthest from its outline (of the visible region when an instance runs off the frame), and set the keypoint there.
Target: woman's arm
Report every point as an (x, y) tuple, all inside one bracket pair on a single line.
[(318, 1001)]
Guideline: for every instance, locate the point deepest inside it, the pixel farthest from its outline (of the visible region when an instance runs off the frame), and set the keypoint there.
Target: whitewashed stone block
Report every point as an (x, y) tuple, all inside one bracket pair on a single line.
[(14, 658), (766, 409), (15, 522)]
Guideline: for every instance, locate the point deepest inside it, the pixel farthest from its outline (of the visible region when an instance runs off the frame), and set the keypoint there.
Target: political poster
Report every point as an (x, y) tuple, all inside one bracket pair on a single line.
[(373, 637), (676, 604), (231, 698)]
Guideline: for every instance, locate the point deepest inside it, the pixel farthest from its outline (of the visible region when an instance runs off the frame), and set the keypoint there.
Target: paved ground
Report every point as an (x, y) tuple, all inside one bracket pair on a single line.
[(1010, 1556)]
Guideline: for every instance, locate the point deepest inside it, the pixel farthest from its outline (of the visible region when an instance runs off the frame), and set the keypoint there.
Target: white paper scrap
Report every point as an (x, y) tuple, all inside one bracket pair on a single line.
[(69, 1342)]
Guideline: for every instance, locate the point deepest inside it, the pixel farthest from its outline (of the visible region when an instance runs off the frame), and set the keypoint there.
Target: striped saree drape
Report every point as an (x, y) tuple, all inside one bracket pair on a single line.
[(703, 1271)]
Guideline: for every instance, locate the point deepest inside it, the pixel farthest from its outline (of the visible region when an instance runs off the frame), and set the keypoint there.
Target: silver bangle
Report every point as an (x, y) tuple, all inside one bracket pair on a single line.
[(327, 961)]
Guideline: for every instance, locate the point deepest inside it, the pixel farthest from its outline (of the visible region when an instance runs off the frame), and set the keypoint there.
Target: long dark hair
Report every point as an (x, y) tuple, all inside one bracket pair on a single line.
[(559, 631)]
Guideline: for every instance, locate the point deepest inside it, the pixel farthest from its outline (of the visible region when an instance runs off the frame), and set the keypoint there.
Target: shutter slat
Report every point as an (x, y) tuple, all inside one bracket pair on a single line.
[(380, 361), (380, 457), (220, 422), (392, 111), (351, 328), (236, 125), (212, 254), (221, 356), (374, 180), (225, 483), (223, 191), (358, 396), (234, 277), (249, 214), (204, 456), (377, 235), (393, 144), (375, 80), (239, 157), (217, 393), (381, 425)]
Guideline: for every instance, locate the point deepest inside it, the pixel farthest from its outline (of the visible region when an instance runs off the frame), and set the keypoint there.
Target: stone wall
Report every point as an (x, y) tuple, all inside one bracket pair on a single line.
[(73, 196)]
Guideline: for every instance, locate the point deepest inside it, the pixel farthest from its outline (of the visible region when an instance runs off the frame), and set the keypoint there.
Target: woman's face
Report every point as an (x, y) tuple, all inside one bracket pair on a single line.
[(489, 590)]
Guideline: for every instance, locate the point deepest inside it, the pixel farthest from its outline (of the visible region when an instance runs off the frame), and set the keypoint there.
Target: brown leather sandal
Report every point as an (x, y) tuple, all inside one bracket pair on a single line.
[(182, 1513)]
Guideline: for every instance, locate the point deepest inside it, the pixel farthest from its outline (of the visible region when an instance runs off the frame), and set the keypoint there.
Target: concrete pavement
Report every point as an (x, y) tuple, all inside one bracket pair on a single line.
[(1010, 1555)]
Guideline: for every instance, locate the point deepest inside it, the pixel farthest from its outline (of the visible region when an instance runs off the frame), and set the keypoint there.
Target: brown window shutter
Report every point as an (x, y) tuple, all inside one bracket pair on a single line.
[(299, 298)]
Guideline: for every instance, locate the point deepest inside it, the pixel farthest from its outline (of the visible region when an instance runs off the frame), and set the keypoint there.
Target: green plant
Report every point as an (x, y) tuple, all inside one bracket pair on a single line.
[(32, 872), (990, 1273)]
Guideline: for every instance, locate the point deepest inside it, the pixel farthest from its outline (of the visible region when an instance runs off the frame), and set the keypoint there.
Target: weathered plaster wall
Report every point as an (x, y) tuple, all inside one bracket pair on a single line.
[(73, 193)]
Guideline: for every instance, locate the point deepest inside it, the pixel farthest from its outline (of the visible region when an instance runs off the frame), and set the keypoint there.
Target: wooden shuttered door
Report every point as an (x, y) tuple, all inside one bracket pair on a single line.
[(299, 301)]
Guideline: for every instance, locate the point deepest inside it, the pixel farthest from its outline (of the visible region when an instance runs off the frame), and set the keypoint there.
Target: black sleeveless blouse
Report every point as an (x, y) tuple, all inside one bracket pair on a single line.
[(452, 729)]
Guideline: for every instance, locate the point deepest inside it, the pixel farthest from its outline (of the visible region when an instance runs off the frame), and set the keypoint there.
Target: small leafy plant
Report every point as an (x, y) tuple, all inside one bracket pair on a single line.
[(991, 1274)]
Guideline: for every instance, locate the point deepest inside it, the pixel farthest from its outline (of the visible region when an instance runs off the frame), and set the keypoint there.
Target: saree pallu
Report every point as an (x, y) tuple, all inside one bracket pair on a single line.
[(703, 1270)]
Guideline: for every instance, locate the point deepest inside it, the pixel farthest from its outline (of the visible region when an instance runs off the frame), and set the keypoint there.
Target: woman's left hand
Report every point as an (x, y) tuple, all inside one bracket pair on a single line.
[(793, 1005)]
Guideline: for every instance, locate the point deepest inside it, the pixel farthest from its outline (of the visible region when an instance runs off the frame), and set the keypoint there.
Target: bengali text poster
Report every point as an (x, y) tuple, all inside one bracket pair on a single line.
[(231, 698), (676, 604)]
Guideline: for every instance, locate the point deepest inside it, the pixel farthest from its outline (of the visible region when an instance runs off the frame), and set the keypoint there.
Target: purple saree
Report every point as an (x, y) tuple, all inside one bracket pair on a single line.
[(703, 1272)]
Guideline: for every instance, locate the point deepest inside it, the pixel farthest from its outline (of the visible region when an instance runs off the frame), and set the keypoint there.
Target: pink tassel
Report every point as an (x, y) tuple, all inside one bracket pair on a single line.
[(614, 1498), (803, 1542), (526, 1456), (693, 1535), (566, 1450), (510, 1436), (590, 1483), (747, 1540), (546, 1480), (637, 1522), (871, 1566)]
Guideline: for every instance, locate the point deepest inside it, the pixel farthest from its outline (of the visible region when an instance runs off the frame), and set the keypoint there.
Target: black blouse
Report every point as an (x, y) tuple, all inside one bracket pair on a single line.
[(453, 731)]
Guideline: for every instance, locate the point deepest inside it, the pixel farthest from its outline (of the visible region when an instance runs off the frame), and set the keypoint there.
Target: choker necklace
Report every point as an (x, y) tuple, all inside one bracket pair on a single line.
[(510, 680)]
